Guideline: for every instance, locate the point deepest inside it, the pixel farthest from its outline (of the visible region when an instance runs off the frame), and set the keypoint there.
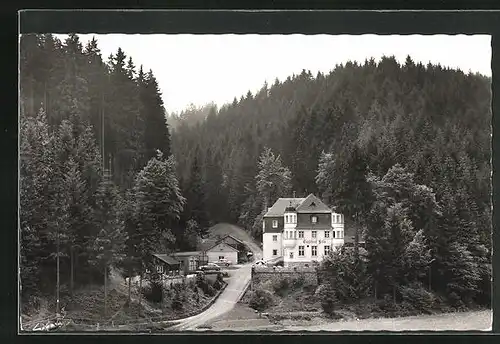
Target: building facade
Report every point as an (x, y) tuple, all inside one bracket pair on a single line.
[(222, 251), (301, 230)]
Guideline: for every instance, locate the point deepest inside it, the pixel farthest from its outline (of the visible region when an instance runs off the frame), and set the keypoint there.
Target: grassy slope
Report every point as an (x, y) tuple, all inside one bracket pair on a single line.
[(223, 229)]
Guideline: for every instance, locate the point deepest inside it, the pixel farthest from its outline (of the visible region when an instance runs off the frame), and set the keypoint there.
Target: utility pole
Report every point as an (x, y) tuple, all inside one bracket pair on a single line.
[(57, 260)]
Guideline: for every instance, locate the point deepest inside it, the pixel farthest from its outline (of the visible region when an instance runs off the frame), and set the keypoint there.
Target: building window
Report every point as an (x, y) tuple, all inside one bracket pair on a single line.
[(301, 234), (338, 218), (314, 219), (327, 250), (314, 251), (286, 218), (327, 234), (192, 265), (341, 234), (291, 255), (333, 234), (221, 257), (333, 218), (341, 218), (275, 252), (159, 268), (301, 251), (294, 218), (275, 223), (275, 238), (314, 234)]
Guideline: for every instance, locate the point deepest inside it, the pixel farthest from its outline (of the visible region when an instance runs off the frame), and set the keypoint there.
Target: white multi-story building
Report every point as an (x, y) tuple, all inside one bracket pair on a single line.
[(301, 230)]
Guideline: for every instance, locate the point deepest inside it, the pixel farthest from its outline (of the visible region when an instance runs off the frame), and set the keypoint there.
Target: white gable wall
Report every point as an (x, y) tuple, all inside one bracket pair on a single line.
[(222, 250), (269, 245)]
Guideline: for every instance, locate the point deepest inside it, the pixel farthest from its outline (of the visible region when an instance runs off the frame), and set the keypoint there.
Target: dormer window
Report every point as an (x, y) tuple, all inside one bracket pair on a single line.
[(314, 219), (275, 223)]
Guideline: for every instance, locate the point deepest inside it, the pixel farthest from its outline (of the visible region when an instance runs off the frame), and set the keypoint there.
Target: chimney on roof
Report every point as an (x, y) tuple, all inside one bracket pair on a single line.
[(290, 207)]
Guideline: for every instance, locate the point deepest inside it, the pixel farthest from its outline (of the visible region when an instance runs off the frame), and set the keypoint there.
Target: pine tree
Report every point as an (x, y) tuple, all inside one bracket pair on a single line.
[(273, 179), (158, 205), (109, 245), (417, 258), (325, 177), (157, 135), (196, 197), (78, 212)]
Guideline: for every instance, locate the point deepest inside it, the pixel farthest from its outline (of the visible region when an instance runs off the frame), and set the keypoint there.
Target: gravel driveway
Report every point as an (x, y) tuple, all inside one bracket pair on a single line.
[(237, 283)]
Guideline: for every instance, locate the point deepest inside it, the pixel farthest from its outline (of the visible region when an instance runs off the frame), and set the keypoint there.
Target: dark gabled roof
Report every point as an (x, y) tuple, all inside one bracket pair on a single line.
[(223, 243), (168, 259), (278, 208), (232, 237), (207, 244), (313, 204)]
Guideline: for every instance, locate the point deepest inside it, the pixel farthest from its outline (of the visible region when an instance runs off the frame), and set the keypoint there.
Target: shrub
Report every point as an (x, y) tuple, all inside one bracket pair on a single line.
[(455, 300), (194, 288), (210, 291), (298, 282), (327, 297), (220, 278), (417, 296), (177, 301), (281, 287), (202, 282), (308, 286), (218, 285), (261, 299), (386, 304), (153, 293)]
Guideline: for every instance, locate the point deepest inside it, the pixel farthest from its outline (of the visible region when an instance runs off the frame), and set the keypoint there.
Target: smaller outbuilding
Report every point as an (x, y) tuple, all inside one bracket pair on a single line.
[(222, 251), (190, 261), (166, 264)]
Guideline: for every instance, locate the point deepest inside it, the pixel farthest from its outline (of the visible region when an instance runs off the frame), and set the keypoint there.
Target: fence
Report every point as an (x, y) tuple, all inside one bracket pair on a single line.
[(166, 279)]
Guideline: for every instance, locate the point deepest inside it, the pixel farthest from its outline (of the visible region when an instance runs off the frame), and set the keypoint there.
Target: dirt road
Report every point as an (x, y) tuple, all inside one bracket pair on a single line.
[(466, 321), (244, 319), (237, 283)]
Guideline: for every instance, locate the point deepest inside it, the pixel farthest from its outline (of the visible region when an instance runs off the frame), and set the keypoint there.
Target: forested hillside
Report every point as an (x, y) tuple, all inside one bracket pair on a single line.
[(98, 184), (401, 150), (432, 120)]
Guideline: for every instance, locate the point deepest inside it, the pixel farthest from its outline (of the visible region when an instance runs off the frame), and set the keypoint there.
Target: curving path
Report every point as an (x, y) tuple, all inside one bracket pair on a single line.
[(237, 284)]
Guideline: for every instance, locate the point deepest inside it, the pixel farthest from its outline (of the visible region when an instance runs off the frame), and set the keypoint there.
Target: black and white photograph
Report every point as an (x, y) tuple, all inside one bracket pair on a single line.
[(254, 182)]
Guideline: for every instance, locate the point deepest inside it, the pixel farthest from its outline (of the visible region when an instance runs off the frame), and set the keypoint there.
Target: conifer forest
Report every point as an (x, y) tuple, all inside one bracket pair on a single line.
[(107, 177)]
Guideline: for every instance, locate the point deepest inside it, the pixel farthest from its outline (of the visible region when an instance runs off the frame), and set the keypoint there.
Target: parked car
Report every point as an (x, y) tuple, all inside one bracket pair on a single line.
[(224, 261), (210, 267), (260, 262)]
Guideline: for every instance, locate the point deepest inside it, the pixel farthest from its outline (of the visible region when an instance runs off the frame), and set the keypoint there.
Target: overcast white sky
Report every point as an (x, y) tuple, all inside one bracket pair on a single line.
[(200, 69)]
